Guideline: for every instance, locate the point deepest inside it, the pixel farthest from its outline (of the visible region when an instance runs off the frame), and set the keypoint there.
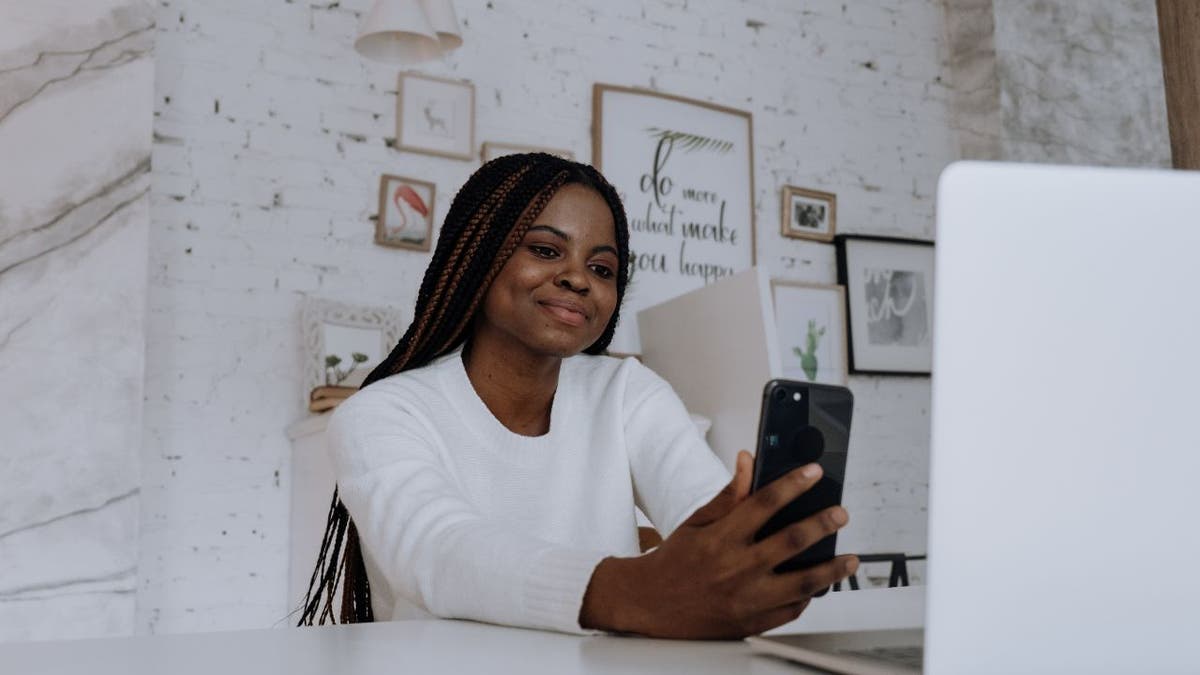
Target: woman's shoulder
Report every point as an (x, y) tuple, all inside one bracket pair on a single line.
[(624, 373), (408, 393)]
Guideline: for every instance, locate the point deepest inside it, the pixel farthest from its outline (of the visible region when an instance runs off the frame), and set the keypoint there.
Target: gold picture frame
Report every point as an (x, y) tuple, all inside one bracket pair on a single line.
[(492, 149), (435, 116), (405, 216), (808, 214), (685, 170)]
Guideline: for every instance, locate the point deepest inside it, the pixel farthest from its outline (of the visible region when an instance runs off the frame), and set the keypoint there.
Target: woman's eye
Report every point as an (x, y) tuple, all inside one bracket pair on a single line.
[(603, 271), (543, 251)]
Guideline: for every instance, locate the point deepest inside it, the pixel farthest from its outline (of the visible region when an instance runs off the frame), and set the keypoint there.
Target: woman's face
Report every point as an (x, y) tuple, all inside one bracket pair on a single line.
[(557, 292)]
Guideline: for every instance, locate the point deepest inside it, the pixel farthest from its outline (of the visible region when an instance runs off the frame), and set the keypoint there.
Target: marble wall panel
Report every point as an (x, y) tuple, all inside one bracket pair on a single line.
[(75, 132), (1081, 82)]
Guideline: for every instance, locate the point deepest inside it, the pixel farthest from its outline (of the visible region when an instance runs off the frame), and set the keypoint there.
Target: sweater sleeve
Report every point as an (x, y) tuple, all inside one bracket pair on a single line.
[(674, 470), (434, 546)]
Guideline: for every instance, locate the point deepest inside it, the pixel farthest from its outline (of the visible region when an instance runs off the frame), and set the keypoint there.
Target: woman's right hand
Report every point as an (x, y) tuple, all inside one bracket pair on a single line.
[(710, 579)]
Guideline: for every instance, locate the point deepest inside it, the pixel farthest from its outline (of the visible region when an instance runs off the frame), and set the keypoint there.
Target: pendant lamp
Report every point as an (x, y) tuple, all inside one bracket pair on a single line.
[(408, 31)]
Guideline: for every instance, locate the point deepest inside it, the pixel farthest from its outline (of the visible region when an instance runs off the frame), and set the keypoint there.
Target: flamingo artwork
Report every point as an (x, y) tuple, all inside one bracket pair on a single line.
[(409, 205)]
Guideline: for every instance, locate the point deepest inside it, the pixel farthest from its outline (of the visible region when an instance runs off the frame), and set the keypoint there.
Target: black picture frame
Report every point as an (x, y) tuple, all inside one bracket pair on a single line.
[(903, 360)]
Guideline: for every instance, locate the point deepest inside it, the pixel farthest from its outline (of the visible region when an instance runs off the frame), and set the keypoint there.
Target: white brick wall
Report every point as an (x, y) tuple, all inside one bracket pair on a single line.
[(271, 134)]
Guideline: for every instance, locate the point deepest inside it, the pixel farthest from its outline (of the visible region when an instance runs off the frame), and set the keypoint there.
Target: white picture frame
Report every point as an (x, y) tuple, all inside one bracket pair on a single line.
[(435, 116), (889, 303), (492, 149), (334, 328), (810, 323), (684, 169)]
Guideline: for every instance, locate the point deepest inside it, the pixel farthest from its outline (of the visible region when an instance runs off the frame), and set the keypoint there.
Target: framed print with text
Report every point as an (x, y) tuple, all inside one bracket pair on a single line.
[(684, 169)]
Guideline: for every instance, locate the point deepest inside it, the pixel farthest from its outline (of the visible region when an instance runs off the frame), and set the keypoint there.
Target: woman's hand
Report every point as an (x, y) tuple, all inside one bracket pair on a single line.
[(710, 579)]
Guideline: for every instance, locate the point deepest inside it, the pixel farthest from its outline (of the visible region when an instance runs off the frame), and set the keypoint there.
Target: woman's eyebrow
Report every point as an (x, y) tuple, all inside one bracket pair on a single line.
[(552, 230), (566, 237)]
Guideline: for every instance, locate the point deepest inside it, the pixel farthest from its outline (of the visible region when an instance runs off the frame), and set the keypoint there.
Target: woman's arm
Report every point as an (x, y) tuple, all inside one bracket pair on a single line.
[(710, 579), (674, 471)]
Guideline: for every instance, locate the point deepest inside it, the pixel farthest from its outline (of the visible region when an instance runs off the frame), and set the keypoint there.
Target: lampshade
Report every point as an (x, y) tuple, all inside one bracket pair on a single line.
[(408, 31), (444, 22)]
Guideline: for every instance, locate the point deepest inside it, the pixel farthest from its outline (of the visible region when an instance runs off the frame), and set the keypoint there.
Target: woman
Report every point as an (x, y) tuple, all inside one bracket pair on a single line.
[(492, 462)]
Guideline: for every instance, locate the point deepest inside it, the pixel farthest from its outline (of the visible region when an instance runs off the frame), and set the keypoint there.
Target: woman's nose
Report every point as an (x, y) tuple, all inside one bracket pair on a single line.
[(572, 281)]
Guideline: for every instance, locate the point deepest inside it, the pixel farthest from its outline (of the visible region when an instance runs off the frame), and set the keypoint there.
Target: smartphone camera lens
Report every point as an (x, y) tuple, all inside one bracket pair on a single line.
[(780, 395)]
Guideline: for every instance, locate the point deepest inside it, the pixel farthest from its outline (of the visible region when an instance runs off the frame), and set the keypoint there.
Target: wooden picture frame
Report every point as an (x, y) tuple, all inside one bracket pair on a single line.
[(685, 171), (808, 214), (810, 323), (492, 149), (405, 215), (435, 116), (889, 303)]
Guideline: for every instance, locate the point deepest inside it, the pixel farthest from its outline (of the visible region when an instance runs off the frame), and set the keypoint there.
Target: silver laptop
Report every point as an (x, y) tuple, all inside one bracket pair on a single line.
[(1064, 502)]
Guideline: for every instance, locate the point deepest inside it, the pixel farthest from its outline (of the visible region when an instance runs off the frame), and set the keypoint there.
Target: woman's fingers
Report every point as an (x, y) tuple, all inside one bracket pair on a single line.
[(749, 516), (792, 587), (742, 476), (797, 537), (730, 496), (776, 617)]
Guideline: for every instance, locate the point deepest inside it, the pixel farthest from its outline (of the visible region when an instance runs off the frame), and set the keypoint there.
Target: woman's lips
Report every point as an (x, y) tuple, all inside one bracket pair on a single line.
[(565, 313)]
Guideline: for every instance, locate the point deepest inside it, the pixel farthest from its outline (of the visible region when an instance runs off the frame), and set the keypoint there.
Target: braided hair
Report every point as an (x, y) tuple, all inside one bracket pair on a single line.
[(487, 221)]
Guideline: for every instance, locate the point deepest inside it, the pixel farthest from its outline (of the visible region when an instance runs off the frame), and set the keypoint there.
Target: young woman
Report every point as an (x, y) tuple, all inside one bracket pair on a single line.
[(493, 461)]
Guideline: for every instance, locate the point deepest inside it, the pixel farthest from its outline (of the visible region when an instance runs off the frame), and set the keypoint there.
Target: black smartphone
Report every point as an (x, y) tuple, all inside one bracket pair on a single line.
[(803, 422)]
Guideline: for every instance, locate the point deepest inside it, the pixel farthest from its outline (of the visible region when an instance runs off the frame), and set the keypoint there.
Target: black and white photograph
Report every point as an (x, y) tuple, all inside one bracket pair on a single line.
[(897, 307), (889, 303), (808, 214)]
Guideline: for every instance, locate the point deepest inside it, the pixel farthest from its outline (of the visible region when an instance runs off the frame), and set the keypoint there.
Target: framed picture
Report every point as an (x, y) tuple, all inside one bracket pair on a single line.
[(405, 218), (889, 303), (343, 342), (808, 214), (435, 116), (491, 150), (684, 169), (810, 320)]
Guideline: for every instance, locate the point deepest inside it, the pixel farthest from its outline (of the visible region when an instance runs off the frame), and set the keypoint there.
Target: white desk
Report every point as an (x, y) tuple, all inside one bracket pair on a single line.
[(435, 646), (392, 647)]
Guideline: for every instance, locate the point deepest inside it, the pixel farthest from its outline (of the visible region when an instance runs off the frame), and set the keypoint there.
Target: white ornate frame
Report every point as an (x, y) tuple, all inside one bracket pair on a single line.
[(317, 312)]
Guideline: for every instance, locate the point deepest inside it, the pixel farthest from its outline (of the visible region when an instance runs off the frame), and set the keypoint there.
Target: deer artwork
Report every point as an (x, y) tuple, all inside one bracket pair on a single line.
[(433, 120), (808, 356)]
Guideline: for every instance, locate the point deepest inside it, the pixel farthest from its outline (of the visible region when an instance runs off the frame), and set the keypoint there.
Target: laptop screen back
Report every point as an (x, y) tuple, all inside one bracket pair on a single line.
[(1065, 470)]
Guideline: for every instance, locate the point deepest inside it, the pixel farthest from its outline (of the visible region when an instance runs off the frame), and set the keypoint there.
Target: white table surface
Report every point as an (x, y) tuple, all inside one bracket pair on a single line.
[(438, 646)]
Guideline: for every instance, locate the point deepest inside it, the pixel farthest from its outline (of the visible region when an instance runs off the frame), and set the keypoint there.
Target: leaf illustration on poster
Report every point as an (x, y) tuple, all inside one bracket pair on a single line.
[(683, 169)]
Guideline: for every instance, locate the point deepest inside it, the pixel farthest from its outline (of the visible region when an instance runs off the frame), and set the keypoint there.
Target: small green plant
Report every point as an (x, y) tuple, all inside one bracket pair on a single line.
[(808, 356), (333, 374)]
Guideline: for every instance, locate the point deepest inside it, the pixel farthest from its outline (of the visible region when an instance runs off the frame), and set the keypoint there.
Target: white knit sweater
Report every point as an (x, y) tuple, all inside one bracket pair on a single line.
[(460, 517)]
